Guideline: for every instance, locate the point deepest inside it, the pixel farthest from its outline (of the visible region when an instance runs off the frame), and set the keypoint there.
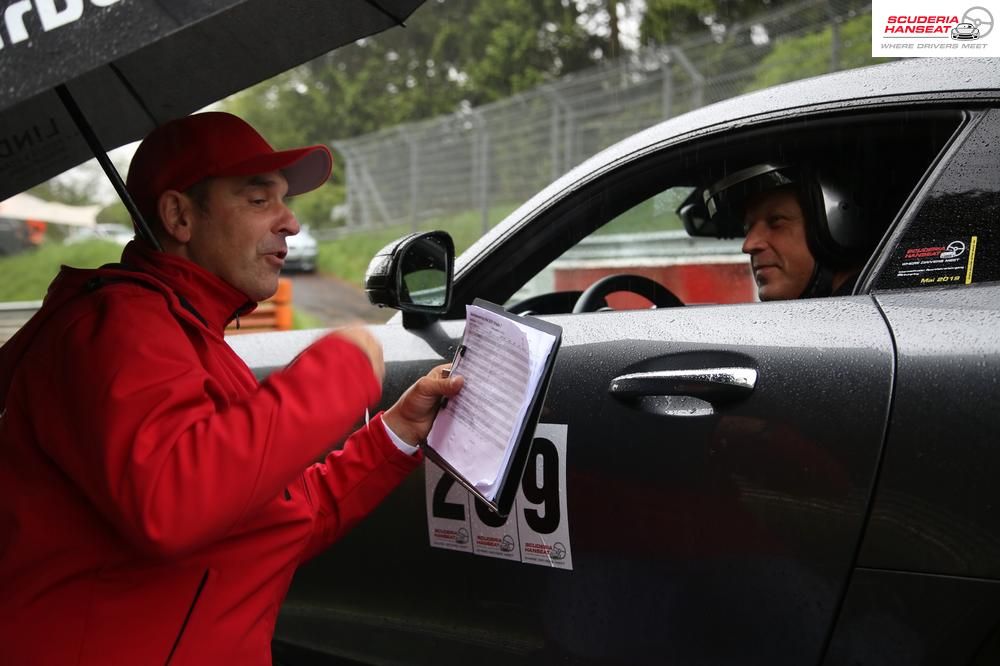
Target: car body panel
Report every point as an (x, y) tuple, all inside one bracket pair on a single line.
[(894, 618), (935, 512), (927, 587)]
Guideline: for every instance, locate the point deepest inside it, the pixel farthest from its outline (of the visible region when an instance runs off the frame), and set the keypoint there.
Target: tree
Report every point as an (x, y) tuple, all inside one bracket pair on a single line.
[(514, 45), (77, 192), (452, 53), (673, 21), (399, 75), (670, 21), (114, 213), (810, 55)]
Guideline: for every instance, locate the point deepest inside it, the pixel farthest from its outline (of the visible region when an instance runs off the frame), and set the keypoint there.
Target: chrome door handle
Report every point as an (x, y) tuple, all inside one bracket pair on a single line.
[(709, 384)]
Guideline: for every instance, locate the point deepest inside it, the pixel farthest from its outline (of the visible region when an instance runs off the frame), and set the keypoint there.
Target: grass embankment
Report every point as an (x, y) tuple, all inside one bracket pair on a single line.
[(348, 257), (26, 276)]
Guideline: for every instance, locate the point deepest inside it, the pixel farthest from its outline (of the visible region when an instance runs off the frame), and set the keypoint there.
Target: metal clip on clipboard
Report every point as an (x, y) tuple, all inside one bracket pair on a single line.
[(459, 353)]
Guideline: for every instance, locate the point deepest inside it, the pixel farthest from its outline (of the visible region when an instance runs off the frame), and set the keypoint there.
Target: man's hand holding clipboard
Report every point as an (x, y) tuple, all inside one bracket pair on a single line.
[(414, 427)]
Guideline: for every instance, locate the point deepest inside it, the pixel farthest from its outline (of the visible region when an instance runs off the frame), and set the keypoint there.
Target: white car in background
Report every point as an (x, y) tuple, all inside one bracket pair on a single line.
[(107, 231), (302, 251)]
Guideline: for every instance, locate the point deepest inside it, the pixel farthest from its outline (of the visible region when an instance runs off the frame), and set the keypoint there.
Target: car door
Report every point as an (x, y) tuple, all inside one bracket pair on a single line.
[(710, 521), (697, 488)]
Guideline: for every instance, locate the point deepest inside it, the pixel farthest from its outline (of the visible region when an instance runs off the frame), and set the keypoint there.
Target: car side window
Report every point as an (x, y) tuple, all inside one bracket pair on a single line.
[(953, 237), (649, 219), (649, 240)]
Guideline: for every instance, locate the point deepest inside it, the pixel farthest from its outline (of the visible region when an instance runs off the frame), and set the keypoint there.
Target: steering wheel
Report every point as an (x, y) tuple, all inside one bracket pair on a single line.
[(595, 295)]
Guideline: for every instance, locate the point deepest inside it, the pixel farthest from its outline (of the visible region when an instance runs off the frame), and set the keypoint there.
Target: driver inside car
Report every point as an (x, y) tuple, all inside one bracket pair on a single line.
[(802, 230)]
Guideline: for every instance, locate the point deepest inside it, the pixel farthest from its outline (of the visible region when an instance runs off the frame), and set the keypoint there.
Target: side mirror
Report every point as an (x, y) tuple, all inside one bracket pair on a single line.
[(413, 273)]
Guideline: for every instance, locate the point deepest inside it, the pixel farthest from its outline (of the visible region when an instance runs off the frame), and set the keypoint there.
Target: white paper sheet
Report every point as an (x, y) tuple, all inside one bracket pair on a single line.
[(502, 365)]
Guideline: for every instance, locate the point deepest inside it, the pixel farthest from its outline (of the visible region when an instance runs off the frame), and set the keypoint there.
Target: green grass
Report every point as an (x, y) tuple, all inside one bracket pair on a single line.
[(303, 320), (26, 276), (348, 257), (658, 213)]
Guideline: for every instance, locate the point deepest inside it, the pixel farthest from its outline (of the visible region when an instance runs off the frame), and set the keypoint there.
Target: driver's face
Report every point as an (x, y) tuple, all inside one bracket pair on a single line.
[(776, 243)]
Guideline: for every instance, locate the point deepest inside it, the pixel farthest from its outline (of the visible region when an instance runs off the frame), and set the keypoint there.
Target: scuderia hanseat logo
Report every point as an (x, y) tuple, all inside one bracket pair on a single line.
[(932, 28), (20, 16)]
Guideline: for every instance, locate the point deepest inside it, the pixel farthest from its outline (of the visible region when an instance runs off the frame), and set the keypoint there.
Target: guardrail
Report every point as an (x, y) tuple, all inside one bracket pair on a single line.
[(651, 247), (14, 315), (274, 314), (696, 270)]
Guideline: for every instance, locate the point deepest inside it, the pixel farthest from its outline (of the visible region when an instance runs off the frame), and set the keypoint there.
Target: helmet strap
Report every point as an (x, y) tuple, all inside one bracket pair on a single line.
[(820, 284)]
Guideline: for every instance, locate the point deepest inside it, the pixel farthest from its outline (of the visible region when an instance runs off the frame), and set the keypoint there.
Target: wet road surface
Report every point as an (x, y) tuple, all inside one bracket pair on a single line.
[(333, 301)]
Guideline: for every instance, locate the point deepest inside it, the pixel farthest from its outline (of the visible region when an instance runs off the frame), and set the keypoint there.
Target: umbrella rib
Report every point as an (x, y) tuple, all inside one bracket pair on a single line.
[(385, 11), (88, 135), (132, 91)]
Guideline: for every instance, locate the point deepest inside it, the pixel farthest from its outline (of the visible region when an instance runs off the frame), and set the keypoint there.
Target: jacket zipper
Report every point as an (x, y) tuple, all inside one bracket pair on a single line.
[(187, 617)]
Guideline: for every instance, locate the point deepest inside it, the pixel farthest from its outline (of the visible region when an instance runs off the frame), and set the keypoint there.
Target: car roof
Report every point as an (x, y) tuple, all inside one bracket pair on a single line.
[(916, 80)]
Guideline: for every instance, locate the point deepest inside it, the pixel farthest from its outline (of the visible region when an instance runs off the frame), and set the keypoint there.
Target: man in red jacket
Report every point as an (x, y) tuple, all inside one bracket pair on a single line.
[(155, 500)]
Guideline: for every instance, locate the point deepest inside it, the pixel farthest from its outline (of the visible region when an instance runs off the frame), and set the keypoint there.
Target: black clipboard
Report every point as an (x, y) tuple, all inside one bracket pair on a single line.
[(510, 476)]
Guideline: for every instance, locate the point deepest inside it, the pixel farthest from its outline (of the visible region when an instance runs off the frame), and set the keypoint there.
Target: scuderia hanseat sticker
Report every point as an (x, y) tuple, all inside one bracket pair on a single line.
[(935, 29)]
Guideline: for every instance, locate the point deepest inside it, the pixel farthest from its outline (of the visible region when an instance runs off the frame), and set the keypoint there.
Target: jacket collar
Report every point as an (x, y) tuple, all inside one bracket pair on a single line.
[(216, 301)]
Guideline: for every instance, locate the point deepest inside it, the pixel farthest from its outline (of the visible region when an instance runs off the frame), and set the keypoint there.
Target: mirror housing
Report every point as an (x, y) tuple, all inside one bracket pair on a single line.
[(694, 214), (413, 273)]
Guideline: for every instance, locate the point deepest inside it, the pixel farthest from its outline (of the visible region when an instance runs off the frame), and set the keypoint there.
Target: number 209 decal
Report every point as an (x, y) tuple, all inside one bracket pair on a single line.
[(537, 529)]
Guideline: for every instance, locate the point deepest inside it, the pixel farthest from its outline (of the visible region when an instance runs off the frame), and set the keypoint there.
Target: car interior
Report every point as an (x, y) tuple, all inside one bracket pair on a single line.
[(881, 157)]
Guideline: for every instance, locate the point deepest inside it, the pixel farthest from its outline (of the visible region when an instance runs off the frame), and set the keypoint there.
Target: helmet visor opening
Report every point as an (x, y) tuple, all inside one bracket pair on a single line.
[(726, 199)]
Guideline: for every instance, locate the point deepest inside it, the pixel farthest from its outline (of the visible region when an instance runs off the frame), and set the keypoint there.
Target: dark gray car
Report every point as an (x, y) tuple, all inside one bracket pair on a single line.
[(841, 508)]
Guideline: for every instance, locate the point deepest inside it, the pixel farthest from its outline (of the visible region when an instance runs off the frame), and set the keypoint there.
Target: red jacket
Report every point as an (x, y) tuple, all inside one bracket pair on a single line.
[(154, 499)]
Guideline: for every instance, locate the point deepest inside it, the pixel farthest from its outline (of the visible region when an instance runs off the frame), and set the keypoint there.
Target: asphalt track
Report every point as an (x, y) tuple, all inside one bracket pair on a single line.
[(333, 301)]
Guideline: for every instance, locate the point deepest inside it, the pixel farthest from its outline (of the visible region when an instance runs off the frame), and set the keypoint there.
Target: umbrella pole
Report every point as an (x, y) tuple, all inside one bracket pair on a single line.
[(102, 157)]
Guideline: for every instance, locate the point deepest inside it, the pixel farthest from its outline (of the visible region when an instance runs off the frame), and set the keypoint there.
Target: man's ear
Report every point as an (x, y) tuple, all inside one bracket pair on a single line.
[(176, 215)]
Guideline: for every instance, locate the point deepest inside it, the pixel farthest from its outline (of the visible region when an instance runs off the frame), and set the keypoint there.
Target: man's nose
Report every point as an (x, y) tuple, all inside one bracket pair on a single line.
[(754, 241), (288, 223)]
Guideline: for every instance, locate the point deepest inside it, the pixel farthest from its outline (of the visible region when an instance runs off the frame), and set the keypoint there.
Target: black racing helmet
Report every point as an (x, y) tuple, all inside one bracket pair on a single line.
[(835, 230)]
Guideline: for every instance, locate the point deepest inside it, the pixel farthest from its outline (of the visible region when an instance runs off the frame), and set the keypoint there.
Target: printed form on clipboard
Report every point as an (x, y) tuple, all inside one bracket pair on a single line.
[(482, 435)]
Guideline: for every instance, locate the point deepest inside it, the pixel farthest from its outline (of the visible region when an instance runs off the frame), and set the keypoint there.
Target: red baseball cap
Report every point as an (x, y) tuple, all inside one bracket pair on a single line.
[(183, 152)]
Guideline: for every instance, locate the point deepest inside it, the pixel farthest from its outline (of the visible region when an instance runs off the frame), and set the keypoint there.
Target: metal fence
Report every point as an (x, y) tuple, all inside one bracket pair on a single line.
[(491, 158)]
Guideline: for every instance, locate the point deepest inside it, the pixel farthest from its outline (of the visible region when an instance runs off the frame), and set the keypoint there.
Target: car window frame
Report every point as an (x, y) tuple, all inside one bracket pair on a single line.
[(953, 152), (578, 211)]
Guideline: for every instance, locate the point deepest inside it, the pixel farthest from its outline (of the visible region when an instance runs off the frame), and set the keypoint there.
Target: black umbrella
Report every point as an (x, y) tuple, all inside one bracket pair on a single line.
[(122, 67)]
